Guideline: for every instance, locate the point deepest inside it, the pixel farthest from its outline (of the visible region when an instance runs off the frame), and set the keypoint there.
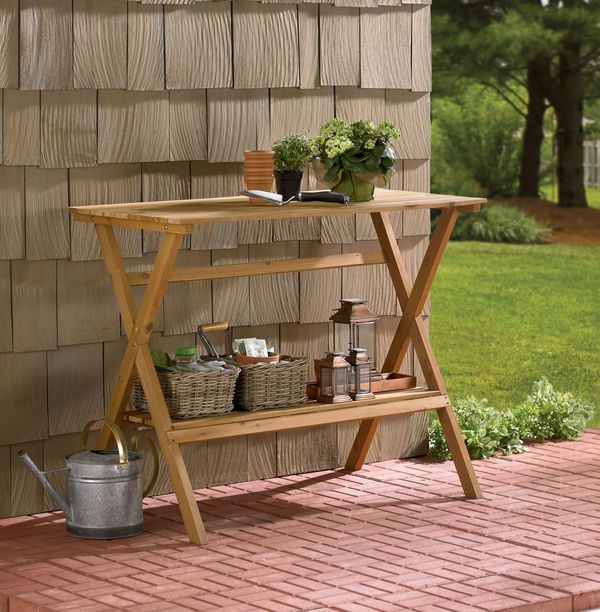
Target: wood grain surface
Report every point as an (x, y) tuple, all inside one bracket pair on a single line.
[(5, 308), (9, 43), (188, 129), (103, 184), (28, 392), (421, 48), (34, 305), (46, 44), (320, 290), (99, 44), (340, 56), (308, 37), (410, 112), (187, 305), (210, 180), (79, 285), (71, 406), (231, 296), (238, 120), (68, 128), (21, 128), (274, 298), (198, 46), (12, 213), (265, 45), (385, 47), (46, 215), (133, 126), (145, 47)]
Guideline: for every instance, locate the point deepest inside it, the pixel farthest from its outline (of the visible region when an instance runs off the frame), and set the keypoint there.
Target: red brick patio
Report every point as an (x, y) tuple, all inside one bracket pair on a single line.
[(395, 536)]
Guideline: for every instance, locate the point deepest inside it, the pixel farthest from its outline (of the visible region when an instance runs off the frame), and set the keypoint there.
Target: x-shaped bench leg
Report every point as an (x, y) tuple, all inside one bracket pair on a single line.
[(137, 358), (412, 327)]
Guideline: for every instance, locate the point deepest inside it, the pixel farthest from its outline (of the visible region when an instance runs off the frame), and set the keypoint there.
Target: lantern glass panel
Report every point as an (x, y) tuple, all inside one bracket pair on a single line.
[(363, 376), (341, 381), (363, 335), (327, 381)]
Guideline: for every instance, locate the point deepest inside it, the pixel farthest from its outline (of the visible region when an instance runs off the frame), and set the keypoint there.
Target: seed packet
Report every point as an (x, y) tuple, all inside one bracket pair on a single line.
[(252, 347)]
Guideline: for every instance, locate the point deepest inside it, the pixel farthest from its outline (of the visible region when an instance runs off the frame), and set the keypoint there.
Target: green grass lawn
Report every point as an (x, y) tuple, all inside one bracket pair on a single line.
[(504, 315), (593, 195)]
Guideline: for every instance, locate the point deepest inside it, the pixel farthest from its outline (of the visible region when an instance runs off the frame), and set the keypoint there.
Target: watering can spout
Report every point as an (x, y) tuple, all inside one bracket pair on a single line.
[(41, 476)]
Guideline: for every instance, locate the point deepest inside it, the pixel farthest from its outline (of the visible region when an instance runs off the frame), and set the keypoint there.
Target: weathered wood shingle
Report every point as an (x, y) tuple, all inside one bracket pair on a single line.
[(46, 215), (105, 184), (9, 43), (340, 57), (68, 128), (21, 128), (34, 304), (238, 120), (265, 45), (385, 47), (410, 112), (99, 44), (145, 47), (198, 45), (188, 129), (46, 44), (12, 213), (133, 126)]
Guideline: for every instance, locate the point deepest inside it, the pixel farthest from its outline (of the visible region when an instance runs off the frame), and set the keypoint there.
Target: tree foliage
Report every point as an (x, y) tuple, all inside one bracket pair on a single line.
[(515, 46)]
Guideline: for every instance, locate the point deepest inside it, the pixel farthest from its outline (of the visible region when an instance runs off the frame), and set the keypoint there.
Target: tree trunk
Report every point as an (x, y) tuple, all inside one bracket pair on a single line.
[(569, 131), (533, 136)]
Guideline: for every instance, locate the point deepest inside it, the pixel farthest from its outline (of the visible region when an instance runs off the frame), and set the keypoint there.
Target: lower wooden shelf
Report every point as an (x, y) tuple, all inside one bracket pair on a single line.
[(241, 423)]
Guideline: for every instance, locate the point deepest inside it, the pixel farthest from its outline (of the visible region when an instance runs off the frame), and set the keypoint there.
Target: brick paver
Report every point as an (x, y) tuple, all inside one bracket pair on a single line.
[(395, 536)]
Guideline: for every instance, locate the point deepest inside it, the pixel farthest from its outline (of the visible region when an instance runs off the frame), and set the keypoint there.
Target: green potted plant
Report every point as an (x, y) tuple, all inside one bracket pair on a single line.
[(291, 154), (354, 158)]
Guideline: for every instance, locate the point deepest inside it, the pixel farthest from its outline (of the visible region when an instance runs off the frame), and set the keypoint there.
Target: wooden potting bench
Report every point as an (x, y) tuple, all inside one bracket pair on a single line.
[(174, 219)]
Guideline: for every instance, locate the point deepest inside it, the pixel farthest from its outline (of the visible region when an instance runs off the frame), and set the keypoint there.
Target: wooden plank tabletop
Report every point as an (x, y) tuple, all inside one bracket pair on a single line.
[(238, 208)]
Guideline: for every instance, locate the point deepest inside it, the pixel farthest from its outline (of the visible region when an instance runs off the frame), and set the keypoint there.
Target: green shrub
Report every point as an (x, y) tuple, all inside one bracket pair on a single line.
[(485, 429), (476, 143), (499, 223), (545, 414), (292, 153)]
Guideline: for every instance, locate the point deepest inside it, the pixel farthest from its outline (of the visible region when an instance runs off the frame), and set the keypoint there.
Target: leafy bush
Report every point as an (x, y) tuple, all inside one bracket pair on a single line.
[(499, 223), (485, 429), (292, 153), (545, 414), (476, 145)]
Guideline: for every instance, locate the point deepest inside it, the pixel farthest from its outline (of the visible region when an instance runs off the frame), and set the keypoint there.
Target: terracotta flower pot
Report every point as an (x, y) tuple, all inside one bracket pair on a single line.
[(258, 171)]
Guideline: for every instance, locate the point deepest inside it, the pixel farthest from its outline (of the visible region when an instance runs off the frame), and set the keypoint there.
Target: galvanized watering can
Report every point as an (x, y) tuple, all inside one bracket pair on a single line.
[(104, 487)]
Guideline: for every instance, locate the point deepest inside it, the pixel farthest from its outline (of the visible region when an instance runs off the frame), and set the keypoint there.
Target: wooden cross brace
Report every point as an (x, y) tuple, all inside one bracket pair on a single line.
[(412, 327), (138, 359)]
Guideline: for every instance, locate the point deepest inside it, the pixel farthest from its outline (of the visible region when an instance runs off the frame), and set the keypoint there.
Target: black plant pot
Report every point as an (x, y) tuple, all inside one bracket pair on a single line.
[(288, 183)]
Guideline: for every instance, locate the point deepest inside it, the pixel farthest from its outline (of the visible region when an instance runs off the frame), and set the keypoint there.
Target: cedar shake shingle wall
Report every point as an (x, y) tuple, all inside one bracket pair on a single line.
[(105, 101)]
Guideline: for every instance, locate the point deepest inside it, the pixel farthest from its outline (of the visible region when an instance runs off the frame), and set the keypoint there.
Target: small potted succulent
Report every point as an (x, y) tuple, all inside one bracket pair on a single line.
[(354, 158), (291, 155)]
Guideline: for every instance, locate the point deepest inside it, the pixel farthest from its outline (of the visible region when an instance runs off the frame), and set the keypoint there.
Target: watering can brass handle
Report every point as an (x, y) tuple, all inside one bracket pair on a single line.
[(117, 433), (135, 441), (215, 327)]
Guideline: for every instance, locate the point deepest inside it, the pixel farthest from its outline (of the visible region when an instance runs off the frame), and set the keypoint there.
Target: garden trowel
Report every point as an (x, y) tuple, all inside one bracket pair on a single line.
[(303, 196)]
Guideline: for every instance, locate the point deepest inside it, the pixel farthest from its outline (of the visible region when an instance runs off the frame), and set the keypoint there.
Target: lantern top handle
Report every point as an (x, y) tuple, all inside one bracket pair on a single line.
[(353, 310)]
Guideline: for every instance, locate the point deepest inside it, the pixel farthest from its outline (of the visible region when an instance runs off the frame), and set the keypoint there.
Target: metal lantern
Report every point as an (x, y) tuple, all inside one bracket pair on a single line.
[(360, 374), (354, 327), (333, 379)]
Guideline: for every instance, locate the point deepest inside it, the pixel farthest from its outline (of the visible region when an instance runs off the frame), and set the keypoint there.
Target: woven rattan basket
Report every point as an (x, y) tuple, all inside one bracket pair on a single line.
[(192, 394), (272, 385)]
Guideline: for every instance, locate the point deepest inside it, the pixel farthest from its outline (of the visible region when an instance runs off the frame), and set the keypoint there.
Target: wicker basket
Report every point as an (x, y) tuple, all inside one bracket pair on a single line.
[(272, 385), (192, 394)]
